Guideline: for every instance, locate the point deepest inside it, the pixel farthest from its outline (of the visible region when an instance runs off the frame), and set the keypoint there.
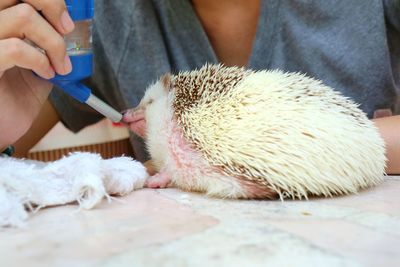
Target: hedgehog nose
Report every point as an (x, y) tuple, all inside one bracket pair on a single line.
[(129, 111), (123, 112), (133, 115), (126, 114)]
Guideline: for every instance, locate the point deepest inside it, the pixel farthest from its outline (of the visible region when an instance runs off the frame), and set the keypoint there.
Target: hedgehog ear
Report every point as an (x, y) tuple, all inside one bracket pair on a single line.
[(166, 81)]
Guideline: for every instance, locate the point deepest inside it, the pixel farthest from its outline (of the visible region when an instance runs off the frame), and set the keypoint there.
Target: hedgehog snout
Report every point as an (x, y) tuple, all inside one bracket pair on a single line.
[(132, 114), (135, 119)]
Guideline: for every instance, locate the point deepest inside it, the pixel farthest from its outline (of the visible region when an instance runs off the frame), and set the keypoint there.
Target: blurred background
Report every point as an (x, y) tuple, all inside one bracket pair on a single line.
[(106, 138)]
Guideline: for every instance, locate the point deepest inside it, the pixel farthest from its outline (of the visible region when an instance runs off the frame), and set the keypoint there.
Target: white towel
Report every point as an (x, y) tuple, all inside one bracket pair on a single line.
[(82, 177)]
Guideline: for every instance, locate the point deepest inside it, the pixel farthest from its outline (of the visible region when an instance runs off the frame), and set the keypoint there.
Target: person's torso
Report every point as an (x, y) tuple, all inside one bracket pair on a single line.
[(346, 44)]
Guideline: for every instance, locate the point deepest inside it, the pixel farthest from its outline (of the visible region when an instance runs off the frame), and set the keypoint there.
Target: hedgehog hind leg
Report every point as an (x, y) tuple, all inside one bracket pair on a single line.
[(224, 186), (159, 180), (253, 190)]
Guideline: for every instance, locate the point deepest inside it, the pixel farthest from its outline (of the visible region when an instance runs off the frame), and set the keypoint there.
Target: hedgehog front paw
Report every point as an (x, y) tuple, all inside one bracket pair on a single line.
[(159, 180)]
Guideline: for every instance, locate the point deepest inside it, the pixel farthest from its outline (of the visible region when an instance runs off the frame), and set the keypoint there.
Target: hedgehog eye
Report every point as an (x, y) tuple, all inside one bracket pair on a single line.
[(150, 101)]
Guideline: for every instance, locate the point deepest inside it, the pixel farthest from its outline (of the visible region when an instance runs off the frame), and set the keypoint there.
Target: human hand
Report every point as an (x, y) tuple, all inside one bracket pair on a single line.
[(22, 94)]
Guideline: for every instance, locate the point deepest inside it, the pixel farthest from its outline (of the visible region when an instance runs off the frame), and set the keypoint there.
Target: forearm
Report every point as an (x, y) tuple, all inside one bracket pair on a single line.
[(47, 118), (389, 128)]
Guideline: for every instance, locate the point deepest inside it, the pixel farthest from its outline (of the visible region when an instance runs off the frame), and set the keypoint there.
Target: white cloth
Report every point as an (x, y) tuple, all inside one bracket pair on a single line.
[(82, 177)]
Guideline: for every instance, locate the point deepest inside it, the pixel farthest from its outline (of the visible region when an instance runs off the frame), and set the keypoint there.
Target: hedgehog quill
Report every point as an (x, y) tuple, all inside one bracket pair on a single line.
[(236, 133)]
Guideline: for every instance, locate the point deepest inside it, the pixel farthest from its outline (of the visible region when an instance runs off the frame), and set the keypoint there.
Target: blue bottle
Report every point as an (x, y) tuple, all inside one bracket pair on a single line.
[(79, 50)]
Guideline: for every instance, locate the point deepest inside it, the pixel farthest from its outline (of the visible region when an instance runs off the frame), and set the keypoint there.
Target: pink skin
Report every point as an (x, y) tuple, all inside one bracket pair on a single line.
[(159, 180), (136, 121), (135, 118), (185, 163)]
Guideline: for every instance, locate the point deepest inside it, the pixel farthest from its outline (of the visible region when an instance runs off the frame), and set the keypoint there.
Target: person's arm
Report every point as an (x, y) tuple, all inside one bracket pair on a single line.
[(46, 120), (389, 128), (23, 94)]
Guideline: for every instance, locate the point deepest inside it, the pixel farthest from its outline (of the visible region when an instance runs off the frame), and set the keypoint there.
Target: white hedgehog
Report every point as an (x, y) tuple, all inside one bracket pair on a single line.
[(236, 133)]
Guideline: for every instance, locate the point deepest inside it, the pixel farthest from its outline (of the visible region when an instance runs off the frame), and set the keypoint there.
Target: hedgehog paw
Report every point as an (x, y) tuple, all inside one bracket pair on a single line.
[(159, 180)]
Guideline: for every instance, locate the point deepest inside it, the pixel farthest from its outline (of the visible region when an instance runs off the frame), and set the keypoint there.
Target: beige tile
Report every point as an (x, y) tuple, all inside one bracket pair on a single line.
[(168, 227), (384, 199), (63, 236), (348, 239)]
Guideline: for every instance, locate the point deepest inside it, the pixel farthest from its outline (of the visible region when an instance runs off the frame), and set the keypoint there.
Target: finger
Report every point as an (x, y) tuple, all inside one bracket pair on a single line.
[(15, 52), (55, 12), (7, 3), (22, 21)]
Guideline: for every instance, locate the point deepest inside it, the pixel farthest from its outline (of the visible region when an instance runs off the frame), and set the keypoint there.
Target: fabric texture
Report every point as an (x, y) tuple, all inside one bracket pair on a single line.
[(82, 177), (352, 46)]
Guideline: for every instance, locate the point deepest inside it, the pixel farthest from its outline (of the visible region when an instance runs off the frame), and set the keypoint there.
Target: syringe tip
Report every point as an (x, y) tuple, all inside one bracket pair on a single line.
[(104, 108)]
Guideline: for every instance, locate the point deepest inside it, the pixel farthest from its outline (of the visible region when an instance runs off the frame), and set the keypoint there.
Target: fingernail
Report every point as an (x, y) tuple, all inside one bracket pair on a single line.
[(50, 72), (67, 22), (67, 64)]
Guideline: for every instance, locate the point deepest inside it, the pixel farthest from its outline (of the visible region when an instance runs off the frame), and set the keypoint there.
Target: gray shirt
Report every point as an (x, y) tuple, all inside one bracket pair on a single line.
[(351, 45)]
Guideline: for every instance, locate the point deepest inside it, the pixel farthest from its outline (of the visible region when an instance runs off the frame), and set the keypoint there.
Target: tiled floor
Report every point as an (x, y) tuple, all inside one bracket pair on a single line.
[(173, 228)]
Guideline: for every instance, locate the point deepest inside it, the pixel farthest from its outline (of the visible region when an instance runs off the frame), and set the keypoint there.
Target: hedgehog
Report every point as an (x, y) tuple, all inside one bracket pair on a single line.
[(232, 132)]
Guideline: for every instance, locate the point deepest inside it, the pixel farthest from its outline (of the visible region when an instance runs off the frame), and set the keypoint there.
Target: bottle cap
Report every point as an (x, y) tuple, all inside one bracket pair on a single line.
[(80, 9)]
